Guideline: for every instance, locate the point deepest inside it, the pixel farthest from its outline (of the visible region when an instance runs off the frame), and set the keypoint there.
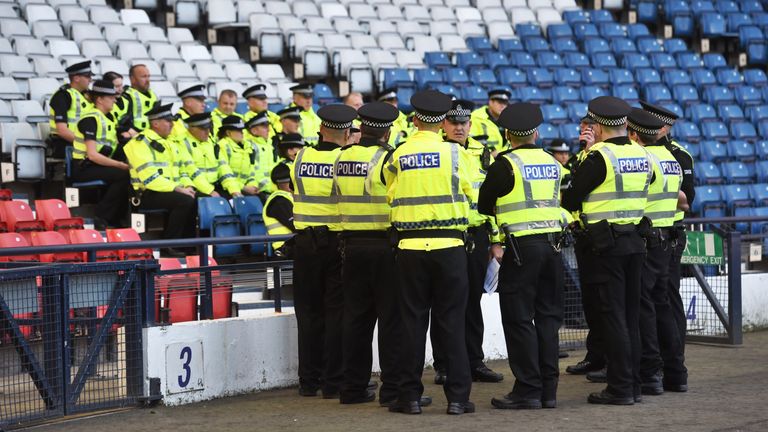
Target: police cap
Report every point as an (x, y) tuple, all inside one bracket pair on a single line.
[(559, 145), (202, 120), (304, 89), (500, 94), (290, 113), (667, 116), (232, 122), (258, 91), (430, 106), (378, 115), (608, 111), (290, 140), (103, 88), (160, 112), (337, 116), (280, 174), (258, 119), (521, 119), (82, 68), (196, 91), (387, 94), (644, 122), (460, 111)]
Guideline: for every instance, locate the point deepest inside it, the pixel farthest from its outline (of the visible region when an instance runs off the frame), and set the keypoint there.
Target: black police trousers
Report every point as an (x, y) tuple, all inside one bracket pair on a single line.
[(615, 276), (590, 302), (434, 279), (673, 358), (370, 293), (319, 307), (531, 302), (113, 206), (182, 212), (477, 265)]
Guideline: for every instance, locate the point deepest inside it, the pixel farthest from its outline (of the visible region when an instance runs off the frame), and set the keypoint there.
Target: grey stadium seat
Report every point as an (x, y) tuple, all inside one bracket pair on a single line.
[(130, 50), (31, 47), (268, 35), (29, 111), (224, 54), (16, 66), (48, 30), (9, 88), (40, 89), (96, 48), (49, 67), (149, 33), (240, 71), (6, 47), (247, 7), (14, 27), (8, 11)]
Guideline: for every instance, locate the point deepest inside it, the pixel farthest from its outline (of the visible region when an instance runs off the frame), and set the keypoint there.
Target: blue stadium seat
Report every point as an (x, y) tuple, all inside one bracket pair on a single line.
[(737, 195), (759, 192), (649, 45), (621, 76), (569, 132), (736, 20), (404, 99), (512, 77), (324, 94), (749, 6), (760, 18), (443, 88), (68, 172), (554, 114), (595, 77), (510, 45), (476, 94), (729, 77), (469, 60), (557, 31), (427, 77), (757, 113), (647, 12), (741, 150), (577, 60), (703, 78), (495, 59), (716, 95), (730, 112), (675, 108), (249, 209), (713, 151), (757, 52), (438, 60), (714, 61), (479, 44), (610, 30), (622, 46), (521, 60), (534, 44), (590, 92), (685, 94), (395, 78), (456, 77), (540, 77), (628, 92), (657, 93), (605, 61), (707, 197), (635, 61), (673, 77), (526, 30), (567, 76), (707, 173), (762, 128), (601, 16), (701, 112), (549, 60), (676, 7), (760, 227), (693, 149), (576, 16), (743, 130), (663, 61), (686, 131), (682, 26), (712, 25), (535, 95), (577, 110), (761, 150), (738, 172), (547, 133), (215, 215), (564, 45), (674, 46), (715, 130), (750, 33), (646, 76), (594, 46), (689, 60), (755, 77), (726, 6), (483, 77), (741, 212), (762, 171), (582, 31), (748, 95)]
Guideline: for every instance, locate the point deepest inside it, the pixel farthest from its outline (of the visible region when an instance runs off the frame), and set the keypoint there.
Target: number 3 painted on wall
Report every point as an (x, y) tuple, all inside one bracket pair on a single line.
[(183, 381)]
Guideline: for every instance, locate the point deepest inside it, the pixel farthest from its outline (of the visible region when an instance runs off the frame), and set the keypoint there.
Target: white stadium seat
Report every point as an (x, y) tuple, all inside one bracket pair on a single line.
[(195, 53), (270, 72), (409, 28), (457, 3), (500, 30), (564, 5), (442, 13), (31, 47), (468, 14), (134, 17), (240, 71), (179, 36), (319, 25), (29, 111), (547, 16), (116, 34), (9, 88), (431, 3), (268, 35), (101, 15), (290, 24), (330, 10), (86, 31), (41, 89), (114, 64), (471, 28), (56, 4), (6, 47), (391, 41), (247, 7), (210, 72), (221, 14), (401, 3), (422, 44), (275, 7), (442, 28), (130, 50), (495, 15), (187, 13), (511, 4), (14, 27), (482, 4), (354, 67), (335, 42), (364, 42), (40, 12), (69, 15), (96, 48), (150, 33), (49, 67), (47, 30), (362, 11), (299, 42), (6, 116), (389, 12), (453, 43), (154, 67), (8, 11), (347, 26), (28, 150), (224, 54), (88, 4), (178, 70), (304, 9), (409, 59), (161, 51), (164, 91), (522, 16), (381, 59), (416, 13), (16, 67), (377, 27)]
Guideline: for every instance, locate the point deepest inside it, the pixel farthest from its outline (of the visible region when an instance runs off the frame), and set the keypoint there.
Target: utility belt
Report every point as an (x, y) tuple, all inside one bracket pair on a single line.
[(395, 236), (602, 235), (363, 234), (320, 236), (659, 237), (512, 242)]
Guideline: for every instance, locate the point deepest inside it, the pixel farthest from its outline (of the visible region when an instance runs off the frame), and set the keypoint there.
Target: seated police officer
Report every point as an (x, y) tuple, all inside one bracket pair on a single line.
[(67, 105), (239, 154), (278, 210), (96, 156), (256, 133)]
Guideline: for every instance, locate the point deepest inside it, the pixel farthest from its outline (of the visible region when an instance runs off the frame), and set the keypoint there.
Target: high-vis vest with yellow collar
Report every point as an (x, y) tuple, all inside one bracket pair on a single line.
[(106, 136), (315, 202), (78, 107), (361, 195), (662, 193), (274, 227)]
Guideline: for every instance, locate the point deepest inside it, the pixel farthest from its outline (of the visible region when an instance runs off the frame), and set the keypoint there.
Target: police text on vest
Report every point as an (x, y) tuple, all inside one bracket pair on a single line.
[(352, 169), (419, 161), (541, 172), (318, 170), (633, 165)]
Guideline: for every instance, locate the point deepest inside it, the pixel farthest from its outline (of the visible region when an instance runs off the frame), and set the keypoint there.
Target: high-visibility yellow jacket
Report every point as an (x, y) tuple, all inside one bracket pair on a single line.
[(310, 126), (156, 163), (362, 195), (79, 107), (106, 136), (483, 124), (209, 166), (241, 159), (140, 104), (264, 161), (315, 203), (663, 191), (274, 227)]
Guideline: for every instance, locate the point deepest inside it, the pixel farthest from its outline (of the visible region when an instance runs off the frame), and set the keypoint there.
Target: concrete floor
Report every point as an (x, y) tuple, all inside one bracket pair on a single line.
[(728, 390)]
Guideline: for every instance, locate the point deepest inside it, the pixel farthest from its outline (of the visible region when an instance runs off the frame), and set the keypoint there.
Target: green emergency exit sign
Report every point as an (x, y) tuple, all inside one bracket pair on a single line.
[(704, 248)]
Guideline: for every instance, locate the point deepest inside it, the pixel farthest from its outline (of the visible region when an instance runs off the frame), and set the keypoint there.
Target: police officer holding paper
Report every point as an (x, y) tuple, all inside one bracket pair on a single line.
[(522, 190), (610, 188)]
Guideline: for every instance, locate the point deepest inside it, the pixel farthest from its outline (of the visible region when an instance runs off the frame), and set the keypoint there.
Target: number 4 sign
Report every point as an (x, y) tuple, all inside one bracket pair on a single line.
[(184, 367)]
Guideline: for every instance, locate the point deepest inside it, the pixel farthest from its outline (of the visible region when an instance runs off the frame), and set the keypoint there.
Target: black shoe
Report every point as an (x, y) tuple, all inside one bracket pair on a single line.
[(370, 396), (675, 388), (100, 224), (440, 377), (599, 376), (372, 385), (563, 354), (424, 402), (605, 398), (458, 408), (308, 391), (549, 403), (483, 374), (510, 401), (410, 407), (651, 388), (583, 367), (638, 398)]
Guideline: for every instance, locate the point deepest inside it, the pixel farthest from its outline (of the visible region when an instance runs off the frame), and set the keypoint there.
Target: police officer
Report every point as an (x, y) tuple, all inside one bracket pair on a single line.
[(96, 156), (67, 106), (303, 95), (368, 276), (157, 175), (139, 97), (484, 120), (400, 128), (278, 210), (290, 122), (485, 237), (655, 313), (256, 96), (523, 191), (562, 152), (675, 382), (210, 170), (289, 146), (225, 107), (429, 192), (192, 102), (120, 117), (318, 293), (256, 133), (239, 154), (610, 188)]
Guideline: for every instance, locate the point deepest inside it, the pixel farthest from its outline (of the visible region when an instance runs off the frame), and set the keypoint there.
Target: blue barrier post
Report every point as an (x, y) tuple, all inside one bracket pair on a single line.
[(734, 288)]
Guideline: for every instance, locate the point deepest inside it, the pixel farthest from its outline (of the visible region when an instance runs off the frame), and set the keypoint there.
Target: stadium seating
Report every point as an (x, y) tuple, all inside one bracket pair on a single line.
[(128, 235), (53, 238), (215, 217), (222, 287)]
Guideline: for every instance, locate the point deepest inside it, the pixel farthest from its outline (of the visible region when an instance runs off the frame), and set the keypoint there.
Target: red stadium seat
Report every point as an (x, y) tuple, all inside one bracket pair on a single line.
[(19, 217), (6, 195), (128, 235), (15, 240), (56, 216), (222, 287), (166, 282), (53, 238), (181, 304), (85, 236)]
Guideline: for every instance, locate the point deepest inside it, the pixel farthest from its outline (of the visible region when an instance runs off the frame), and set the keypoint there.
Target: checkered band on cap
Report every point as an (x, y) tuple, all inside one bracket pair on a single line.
[(332, 125), (373, 124), (104, 90), (291, 142), (607, 121), (256, 93), (666, 119), (291, 113), (385, 96), (459, 112), (257, 121), (200, 123), (522, 133), (641, 129), (429, 118), (160, 115)]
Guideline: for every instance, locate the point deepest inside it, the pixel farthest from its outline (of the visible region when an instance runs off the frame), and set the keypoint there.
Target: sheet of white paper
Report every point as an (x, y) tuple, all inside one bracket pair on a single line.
[(492, 277)]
